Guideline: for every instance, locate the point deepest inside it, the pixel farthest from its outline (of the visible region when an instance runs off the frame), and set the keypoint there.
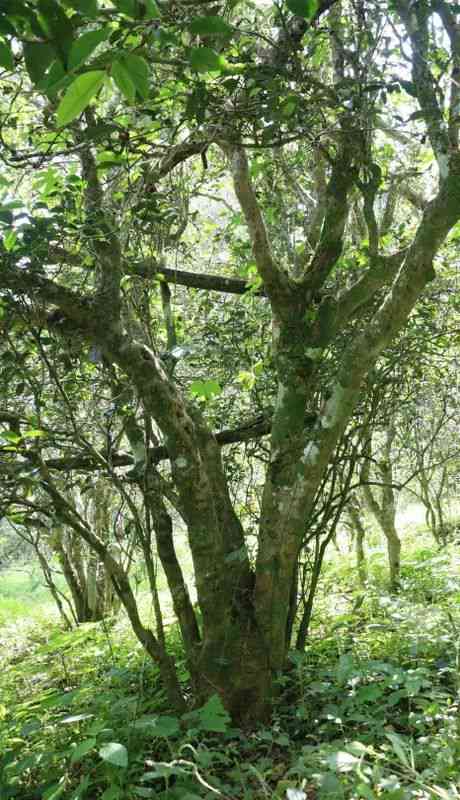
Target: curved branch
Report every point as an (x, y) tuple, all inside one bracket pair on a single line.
[(276, 282)]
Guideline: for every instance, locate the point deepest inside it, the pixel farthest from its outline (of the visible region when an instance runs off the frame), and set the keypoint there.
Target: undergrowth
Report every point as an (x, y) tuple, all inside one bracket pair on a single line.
[(370, 710)]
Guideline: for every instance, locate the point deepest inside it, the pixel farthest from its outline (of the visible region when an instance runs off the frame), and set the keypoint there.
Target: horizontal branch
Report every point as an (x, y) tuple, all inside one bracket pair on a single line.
[(151, 269), (260, 426), (194, 280), (177, 155)]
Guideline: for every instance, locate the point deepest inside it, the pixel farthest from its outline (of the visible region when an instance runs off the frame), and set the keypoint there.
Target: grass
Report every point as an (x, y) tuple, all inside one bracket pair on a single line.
[(23, 594), (369, 711)]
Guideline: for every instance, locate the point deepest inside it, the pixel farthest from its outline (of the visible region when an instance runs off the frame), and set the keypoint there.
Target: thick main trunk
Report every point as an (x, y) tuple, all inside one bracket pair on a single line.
[(236, 666), (286, 493)]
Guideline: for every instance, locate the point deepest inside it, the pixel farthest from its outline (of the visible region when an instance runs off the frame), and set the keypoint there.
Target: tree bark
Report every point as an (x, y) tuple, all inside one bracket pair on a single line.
[(385, 511), (359, 535)]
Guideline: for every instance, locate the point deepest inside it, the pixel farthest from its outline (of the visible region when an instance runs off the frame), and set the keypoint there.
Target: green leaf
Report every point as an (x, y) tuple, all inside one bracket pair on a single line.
[(159, 726), (151, 10), (56, 25), (127, 7), (303, 8), (398, 747), (123, 80), (289, 106), (82, 749), (213, 716), (114, 753), (203, 59), (205, 389), (78, 95), (38, 57), (112, 793), (55, 791), (203, 26), (17, 519), (33, 433), (6, 57), (6, 216), (86, 7), (80, 791), (139, 73), (10, 240), (55, 700), (85, 45), (10, 436), (6, 26), (330, 785), (54, 79)]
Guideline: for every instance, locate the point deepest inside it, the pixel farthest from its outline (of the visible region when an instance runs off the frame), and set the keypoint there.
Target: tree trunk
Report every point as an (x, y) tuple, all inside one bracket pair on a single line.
[(359, 534), (394, 553), (385, 512)]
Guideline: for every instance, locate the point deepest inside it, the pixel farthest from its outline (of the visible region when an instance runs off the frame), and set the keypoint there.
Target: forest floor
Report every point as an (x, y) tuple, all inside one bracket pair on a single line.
[(370, 710)]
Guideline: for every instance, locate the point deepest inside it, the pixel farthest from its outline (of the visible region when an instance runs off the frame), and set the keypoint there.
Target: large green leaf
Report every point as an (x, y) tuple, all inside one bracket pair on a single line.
[(85, 45), (164, 726), (203, 26), (38, 57), (113, 792), (55, 79), (399, 748), (204, 59), (78, 95), (6, 56), (10, 436), (138, 72), (151, 10), (82, 749), (55, 791), (213, 716), (114, 753), (303, 8), (123, 80), (6, 27), (57, 26)]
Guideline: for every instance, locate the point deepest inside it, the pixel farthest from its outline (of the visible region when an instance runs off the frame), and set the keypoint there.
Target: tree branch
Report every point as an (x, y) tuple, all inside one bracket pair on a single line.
[(254, 429), (276, 283), (415, 19), (336, 214), (194, 280)]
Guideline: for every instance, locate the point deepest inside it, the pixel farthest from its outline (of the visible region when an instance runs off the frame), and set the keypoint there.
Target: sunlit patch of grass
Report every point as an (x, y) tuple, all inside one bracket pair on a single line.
[(11, 609)]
